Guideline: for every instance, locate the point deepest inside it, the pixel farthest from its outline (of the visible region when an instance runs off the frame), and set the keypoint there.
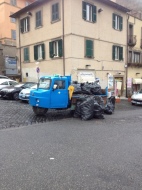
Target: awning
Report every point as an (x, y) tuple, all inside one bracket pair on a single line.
[(137, 81)]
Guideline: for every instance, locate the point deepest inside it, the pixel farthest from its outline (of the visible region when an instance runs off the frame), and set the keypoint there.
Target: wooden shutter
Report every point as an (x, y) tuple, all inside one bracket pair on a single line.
[(43, 51), (84, 10), (89, 48), (113, 52), (51, 53), (120, 23), (28, 23), (35, 52), (22, 25), (60, 49), (120, 53), (94, 15), (113, 20)]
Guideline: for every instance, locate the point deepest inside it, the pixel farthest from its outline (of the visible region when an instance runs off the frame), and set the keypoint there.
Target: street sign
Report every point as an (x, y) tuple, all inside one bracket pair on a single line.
[(37, 69)]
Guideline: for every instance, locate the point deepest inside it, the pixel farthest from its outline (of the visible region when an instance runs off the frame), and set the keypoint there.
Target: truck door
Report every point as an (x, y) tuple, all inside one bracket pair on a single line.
[(59, 96)]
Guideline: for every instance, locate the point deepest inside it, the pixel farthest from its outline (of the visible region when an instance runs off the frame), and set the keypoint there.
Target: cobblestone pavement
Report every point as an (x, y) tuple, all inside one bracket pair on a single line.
[(17, 113)]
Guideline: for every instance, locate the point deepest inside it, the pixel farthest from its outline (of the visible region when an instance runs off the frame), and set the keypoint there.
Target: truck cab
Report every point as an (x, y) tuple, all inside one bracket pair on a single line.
[(52, 93)]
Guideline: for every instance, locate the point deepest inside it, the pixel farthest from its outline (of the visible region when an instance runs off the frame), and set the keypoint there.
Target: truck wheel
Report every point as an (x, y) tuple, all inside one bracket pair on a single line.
[(39, 111), (16, 96)]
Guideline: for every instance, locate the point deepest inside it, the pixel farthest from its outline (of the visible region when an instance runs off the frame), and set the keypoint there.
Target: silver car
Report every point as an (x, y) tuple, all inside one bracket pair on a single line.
[(136, 98)]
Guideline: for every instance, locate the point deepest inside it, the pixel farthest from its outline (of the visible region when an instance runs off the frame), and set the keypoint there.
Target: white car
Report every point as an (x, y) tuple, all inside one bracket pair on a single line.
[(136, 98), (7, 82), (25, 93)]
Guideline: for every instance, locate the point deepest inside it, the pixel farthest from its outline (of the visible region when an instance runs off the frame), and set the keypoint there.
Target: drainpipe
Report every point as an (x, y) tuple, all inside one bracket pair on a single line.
[(63, 30), (20, 52), (127, 56)]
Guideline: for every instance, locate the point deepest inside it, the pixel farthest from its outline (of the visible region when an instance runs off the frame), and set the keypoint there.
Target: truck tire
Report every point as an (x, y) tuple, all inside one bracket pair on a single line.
[(39, 111)]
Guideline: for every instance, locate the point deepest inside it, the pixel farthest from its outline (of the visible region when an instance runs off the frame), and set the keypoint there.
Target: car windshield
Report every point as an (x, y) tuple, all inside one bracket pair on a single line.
[(44, 83)]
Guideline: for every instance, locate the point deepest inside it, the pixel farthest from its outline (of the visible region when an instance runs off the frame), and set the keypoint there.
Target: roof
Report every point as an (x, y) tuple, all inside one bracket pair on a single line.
[(40, 2)]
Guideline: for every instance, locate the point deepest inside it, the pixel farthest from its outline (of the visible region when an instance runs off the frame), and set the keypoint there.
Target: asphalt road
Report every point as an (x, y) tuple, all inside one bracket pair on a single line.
[(70, 154)]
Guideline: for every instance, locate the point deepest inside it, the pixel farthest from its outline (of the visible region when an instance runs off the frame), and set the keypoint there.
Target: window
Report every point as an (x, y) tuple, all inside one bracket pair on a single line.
[(12, 83), (117, 53), (136, 57), (117, 22), (39, 52), (130, 56), (25, 24), (89, 12), (13, 34), (60, 84), (89, 49), (38, 19), (13, 2), (12, 19), (26, 54), (4, 83), (55, 12), (55, 49)]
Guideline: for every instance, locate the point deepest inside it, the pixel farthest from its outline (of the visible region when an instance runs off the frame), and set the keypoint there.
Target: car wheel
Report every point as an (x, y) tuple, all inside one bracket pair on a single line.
[(39, 111), (16, 96), (133, 104)]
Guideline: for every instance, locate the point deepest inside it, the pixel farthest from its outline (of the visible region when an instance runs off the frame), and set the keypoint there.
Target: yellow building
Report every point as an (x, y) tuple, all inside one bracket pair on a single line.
[(134, 69), (67, 36)]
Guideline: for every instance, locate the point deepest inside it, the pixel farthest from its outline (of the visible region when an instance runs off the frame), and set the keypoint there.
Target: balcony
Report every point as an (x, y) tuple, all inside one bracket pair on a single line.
[(132, 40), (130, 64)]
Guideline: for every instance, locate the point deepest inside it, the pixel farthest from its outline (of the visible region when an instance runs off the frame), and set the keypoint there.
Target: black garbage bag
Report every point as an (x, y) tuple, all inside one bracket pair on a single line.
[(100, 101), (86, 88), (87, 108), (77, 112), (77, 88), (96, 89), (98, 111), (110, 105)]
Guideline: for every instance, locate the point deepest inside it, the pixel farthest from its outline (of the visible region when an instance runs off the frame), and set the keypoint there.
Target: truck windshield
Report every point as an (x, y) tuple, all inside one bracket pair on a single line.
[(44, 83)]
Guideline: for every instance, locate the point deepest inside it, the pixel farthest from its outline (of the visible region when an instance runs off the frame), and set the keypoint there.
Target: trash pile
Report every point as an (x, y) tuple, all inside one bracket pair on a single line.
[(90, 104)]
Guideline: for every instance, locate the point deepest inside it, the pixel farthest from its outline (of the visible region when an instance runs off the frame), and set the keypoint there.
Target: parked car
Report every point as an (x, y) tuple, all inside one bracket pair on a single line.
[(3, 77), (25, 93), (13, 92), (7, 82), (136, 98)]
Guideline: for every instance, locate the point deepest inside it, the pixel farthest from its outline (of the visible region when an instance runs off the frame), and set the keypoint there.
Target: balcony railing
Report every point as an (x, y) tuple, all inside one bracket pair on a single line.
[(132, 40), (132, 64)]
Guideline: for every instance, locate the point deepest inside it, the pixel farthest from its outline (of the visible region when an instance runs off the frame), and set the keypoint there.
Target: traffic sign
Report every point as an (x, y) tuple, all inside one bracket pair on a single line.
[(37, 69)]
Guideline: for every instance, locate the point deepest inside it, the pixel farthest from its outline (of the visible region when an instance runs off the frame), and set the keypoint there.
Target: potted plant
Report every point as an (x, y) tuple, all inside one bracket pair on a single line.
[(117, 99)]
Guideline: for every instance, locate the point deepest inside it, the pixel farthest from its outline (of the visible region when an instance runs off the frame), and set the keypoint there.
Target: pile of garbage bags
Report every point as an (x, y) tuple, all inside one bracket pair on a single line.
[(92, 106)]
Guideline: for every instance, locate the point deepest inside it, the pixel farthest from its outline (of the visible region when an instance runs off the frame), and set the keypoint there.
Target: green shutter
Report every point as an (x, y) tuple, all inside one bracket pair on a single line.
[(113, 20), (43, 51), (84, 10), (94, 15), (28, 23), (35, 52), (22, 25), (60, 48), (113, 52), (89, 48), (26, 54), (120, 53), (121, 23), (51, 53)]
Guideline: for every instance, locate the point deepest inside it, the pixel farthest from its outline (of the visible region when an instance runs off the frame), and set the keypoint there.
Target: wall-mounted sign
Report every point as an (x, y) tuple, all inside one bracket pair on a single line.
[(129, 82), (110, 82)]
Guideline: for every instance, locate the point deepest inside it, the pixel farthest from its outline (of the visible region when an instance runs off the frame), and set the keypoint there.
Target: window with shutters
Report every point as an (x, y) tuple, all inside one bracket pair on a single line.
[(89, 48), (117, 22), (136, 57), (13, 2), (55, 48), (55, 12), (39, 52), (25, 24), (13, 34), (117, 53), (38, 19), (26, 54), (89, 12)]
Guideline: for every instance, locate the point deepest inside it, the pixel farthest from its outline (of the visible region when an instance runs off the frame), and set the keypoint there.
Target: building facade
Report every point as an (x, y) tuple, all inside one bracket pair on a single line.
[(65, 37), (8, 62)]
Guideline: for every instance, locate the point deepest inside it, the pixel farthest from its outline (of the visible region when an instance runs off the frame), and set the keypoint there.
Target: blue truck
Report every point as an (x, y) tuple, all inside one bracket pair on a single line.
[(53, 92)]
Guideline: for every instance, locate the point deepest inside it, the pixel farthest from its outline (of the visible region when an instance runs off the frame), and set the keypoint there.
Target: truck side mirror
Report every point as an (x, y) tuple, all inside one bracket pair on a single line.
[(54, 86)]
